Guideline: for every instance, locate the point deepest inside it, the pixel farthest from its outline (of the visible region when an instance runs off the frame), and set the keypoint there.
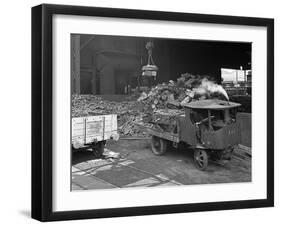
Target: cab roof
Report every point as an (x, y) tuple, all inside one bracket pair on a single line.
[(211, 104)]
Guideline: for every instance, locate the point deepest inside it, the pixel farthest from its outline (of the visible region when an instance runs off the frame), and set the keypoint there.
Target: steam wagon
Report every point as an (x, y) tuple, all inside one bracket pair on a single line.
[(208, 127)]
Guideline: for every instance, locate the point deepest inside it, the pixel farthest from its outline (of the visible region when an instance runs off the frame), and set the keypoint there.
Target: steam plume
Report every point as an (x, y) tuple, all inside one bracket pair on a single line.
[(208, 87)]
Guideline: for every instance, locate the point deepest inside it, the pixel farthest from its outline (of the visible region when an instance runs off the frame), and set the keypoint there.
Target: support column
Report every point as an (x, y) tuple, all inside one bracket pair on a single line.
[(75, 63), (94, 75)]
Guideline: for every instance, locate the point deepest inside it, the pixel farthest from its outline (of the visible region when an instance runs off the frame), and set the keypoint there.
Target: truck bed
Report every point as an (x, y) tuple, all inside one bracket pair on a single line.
[(158, 132)]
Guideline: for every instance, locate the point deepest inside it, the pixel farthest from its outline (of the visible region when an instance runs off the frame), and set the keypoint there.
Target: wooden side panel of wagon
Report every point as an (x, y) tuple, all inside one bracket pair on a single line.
[(86, 130), (94, 129), (110, 126), (78, 132)]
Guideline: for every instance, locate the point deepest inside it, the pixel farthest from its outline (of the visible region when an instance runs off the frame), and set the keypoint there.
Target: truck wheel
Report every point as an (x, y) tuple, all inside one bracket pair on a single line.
[(98, 149), (201, 159), (158, 145)]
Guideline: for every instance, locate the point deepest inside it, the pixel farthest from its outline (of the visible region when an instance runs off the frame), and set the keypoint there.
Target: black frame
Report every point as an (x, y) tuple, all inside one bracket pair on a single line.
[(42, 111)]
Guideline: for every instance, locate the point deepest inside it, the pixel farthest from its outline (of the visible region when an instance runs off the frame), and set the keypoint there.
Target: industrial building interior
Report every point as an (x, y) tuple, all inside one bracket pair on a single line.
[(106, 65)]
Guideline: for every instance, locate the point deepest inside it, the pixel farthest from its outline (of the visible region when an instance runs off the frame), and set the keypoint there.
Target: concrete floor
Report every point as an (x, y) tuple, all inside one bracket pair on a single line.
[(134, 165)]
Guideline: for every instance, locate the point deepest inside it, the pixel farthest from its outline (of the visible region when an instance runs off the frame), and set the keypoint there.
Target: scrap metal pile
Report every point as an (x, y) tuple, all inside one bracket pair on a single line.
[(187, 88), (164, 102)]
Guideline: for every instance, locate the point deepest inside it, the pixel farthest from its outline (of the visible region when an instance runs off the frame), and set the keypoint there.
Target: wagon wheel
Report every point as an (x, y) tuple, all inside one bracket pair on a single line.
[(98, 149), (158, 145), (201, 159)]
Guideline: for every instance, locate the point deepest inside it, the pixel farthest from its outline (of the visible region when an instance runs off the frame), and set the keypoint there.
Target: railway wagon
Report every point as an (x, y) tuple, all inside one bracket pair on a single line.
[(93, 132)]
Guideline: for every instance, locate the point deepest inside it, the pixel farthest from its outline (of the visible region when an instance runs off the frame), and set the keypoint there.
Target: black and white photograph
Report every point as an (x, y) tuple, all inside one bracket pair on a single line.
[(154, 112), (147, 112)]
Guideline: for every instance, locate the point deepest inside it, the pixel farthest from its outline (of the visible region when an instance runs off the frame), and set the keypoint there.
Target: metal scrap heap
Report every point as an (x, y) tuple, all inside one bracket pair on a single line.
[(187, 88)]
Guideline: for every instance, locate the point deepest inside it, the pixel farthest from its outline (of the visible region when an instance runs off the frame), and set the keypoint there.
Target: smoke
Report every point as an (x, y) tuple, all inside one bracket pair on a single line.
[(209, 88)]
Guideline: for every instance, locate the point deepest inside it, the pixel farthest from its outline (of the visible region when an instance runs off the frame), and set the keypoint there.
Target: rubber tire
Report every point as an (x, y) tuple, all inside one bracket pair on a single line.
[(200, 159), (98, 149), (161, 147)]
